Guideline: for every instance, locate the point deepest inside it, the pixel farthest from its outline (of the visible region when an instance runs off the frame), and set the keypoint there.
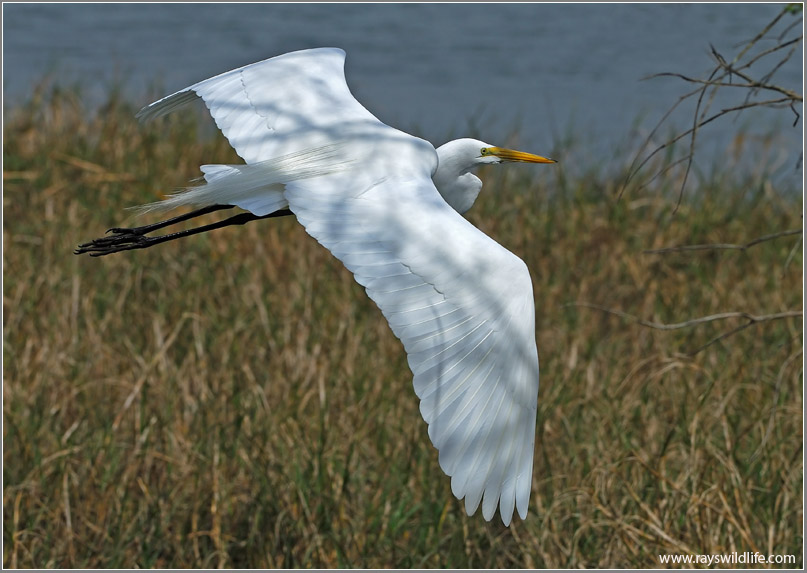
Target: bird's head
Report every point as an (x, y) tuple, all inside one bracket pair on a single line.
[(458, 186)]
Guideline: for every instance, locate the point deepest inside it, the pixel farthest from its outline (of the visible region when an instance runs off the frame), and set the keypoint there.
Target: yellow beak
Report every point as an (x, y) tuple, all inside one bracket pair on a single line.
[(512, 155)]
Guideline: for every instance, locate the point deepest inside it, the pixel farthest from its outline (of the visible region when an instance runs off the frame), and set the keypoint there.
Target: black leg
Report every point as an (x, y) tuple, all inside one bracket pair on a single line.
[(135, 238), (159, 225)]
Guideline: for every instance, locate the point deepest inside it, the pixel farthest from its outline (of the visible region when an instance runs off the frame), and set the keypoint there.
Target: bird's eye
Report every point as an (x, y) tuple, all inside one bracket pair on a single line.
[(484, 151)]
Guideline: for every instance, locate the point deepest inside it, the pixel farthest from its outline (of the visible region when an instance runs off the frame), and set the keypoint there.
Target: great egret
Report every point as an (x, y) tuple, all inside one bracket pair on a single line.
[(388, 206)]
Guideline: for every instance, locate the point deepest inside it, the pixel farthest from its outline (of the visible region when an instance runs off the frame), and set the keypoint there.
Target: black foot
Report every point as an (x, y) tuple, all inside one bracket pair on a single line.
[(135, 238), (122, 240)]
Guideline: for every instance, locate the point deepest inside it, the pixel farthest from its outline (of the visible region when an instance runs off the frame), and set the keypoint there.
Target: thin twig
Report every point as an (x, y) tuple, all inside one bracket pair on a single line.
[(771, 103), (634, 169), (663, 170), (712, 118), (786, 31), (695, 321), (751, 318), (723, 246), (722, 336), (761, 35), (694, 131), (752, 84), (769, 51), (770, 74)]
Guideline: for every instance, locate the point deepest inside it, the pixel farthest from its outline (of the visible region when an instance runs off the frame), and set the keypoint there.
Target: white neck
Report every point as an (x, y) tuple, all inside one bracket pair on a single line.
[(453, 179)]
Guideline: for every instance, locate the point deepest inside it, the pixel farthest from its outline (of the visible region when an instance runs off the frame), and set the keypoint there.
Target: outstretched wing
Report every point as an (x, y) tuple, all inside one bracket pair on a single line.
[(286, 104), (462, 306)]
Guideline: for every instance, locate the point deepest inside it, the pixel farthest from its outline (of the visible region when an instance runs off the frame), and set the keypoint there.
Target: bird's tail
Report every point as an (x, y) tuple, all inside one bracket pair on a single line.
[(257, 187)]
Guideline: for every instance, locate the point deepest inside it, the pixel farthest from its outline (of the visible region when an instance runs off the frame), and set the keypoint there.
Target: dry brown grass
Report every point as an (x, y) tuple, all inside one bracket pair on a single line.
[(236, 400)]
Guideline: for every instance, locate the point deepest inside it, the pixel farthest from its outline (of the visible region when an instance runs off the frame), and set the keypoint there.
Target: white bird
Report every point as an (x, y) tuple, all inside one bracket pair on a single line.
[(388, 205)]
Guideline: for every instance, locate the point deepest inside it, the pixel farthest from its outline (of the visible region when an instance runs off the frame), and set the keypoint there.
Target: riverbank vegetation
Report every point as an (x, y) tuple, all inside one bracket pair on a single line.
[(234, 399)]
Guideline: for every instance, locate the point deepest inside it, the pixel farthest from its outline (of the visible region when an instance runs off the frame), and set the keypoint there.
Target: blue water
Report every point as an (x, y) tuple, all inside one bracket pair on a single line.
[(545, 71)]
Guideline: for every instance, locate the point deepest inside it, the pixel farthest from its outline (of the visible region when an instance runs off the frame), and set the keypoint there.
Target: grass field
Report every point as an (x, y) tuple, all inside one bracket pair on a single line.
[(234, 399)]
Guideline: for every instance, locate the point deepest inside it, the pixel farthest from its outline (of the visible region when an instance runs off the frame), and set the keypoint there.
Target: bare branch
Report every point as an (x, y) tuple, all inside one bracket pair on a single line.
[(695, 321), (723, 246), (750, 318), (752, 84), (761, 35), (771, 102), (634, 170), (794, 24), (795, 121), (664, 170), (731, 332), (769, 51), (725, 74)]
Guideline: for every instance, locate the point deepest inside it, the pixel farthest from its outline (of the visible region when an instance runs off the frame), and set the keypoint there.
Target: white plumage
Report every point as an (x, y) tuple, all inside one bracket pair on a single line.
[(461, 304)]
